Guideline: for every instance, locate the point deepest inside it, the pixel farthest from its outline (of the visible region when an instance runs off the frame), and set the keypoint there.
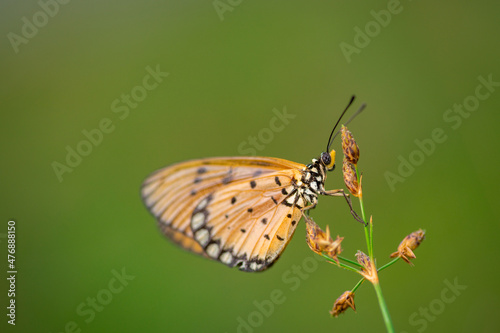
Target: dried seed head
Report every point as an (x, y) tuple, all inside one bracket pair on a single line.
[(351, 179), (345, 301), (368, 269), (408, 244), (334, 249), (349, 146), (320, 241)]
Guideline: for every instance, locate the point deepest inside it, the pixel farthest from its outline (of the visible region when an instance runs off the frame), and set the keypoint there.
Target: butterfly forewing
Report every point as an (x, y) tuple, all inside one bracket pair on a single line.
[(229, 209)]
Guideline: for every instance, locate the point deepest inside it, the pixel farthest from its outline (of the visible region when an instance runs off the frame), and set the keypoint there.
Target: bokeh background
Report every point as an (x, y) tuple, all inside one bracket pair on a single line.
[(229, 65)]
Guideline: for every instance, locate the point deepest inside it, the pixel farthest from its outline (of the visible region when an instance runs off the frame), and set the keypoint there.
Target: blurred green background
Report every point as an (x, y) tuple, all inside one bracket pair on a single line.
[(228, 68)]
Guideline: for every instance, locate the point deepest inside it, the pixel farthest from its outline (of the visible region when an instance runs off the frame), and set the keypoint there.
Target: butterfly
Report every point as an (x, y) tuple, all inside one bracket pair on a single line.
[(240, 211)]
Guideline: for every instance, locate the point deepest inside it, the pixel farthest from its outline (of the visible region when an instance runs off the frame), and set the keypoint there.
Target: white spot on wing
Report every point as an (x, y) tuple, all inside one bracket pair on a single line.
[(213, 250), (202, 204), (202, 236), (197, 221), (226, 258)]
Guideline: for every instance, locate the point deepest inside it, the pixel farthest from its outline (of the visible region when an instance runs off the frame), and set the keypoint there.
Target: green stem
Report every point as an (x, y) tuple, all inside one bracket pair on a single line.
[(388, 264), (368, 232), (352, 262), (367, 236), (358, 284), (340, 264), (383, 308), (376, 285)]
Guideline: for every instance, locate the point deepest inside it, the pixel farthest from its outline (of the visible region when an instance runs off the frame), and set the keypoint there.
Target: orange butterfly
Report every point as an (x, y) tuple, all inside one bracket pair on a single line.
[(241, 211)]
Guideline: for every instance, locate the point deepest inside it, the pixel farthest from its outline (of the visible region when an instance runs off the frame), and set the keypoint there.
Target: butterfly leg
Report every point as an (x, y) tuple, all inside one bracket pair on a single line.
[(335, 193), (341, 192), (306, 208)]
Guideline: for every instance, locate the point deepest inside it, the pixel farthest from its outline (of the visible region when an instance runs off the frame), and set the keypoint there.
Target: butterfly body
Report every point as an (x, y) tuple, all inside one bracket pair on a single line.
[(241, 211)]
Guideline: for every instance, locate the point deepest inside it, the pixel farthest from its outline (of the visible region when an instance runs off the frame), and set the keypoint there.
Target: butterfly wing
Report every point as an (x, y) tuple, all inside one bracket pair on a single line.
[(229, 209)]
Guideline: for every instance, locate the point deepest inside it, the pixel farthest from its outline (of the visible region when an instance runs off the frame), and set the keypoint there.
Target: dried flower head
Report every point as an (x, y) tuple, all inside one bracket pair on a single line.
[(351, 179), (345, 301), (409, 243), (368, 269), (349, 146), (320, 241)]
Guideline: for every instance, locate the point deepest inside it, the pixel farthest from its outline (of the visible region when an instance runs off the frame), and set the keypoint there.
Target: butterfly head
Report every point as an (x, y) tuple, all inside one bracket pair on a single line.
[(328, 160)]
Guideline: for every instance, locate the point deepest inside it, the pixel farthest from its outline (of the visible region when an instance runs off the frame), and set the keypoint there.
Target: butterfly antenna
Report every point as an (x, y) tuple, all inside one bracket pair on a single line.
[(361, 108), (330, 139)]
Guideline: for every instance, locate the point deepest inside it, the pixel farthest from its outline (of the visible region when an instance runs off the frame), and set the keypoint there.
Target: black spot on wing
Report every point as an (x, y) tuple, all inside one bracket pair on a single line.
[(257, 173), (226, 180)]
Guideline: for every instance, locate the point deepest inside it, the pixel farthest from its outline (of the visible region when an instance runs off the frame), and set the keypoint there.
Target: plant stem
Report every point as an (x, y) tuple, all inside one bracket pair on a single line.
[(383, 308), (388, 264), (352, 262), (367, 237), (358, 284), (340, 264), (371, 236), (376, 285), (368, 233)]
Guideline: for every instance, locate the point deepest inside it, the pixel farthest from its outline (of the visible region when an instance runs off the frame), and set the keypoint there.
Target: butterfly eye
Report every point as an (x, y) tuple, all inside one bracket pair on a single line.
[(328, 159)]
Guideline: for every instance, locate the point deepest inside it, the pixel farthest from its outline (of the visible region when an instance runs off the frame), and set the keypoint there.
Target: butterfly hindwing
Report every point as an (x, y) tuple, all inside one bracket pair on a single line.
[(229, 209)]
